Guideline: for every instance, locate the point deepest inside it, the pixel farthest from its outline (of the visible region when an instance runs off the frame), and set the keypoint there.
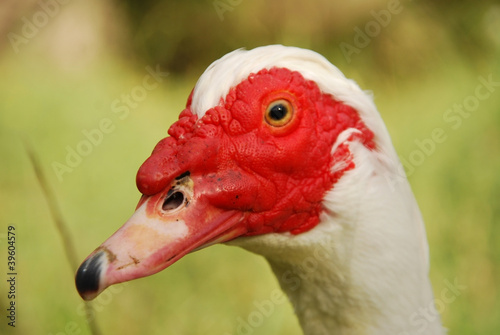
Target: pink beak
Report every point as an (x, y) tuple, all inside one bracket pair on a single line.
[(164, 228)]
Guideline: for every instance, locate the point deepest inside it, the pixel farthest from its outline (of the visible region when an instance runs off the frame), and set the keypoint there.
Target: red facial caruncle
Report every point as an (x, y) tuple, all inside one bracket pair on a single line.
[(276, 173)]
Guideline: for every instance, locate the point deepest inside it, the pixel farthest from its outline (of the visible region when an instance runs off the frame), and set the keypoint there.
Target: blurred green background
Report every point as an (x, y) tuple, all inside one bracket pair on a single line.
[(64, 63)]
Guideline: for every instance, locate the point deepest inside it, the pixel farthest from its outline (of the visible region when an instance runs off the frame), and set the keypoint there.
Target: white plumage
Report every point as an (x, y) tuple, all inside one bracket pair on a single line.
[(362, 270)]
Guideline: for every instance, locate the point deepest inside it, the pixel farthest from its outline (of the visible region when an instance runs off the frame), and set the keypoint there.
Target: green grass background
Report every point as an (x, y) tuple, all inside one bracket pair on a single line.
[(457, 187)]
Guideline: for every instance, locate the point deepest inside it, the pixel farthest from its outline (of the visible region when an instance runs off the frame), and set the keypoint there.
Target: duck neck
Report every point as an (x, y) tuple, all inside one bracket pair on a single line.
[(364, 268), (350, 289)]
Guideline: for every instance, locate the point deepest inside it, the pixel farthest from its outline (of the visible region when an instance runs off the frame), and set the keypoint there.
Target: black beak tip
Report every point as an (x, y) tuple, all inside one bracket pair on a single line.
[(88, 276)]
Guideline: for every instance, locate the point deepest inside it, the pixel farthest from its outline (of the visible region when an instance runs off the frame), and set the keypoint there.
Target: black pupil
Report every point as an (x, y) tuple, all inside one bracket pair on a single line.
[(278, 112), (173, 200)]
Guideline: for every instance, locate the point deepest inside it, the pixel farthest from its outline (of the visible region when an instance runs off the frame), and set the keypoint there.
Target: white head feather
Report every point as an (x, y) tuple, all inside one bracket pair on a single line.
[(370, 246), (231, 69)]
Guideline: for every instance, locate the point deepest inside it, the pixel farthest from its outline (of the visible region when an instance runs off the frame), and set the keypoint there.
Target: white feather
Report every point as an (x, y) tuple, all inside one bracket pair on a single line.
[(364, 268), (231, 69)]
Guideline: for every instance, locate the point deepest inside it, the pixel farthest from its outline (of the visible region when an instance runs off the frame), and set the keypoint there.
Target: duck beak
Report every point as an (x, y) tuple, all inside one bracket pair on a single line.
[(152, 240)]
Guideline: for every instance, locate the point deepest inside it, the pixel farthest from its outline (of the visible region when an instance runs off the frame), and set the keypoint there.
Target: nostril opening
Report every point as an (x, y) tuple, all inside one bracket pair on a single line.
[(173, 201), (185, 174)]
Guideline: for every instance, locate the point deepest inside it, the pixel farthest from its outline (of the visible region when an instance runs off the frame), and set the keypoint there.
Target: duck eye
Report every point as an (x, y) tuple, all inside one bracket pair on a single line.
[(279, 113), (173, 201)]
